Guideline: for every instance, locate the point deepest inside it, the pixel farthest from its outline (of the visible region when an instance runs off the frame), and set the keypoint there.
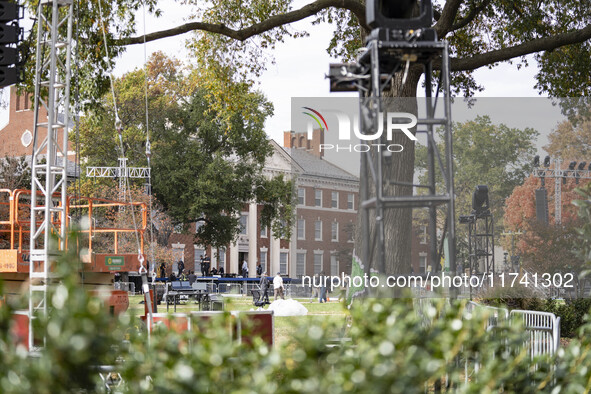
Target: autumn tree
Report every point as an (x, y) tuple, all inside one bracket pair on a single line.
[(230, 39), (571, 140), (544, 247)]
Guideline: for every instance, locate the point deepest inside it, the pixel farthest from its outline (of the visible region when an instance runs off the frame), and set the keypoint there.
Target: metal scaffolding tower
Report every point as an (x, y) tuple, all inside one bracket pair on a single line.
[(560, 176), (394, 45), (49, 161), (385, 46)]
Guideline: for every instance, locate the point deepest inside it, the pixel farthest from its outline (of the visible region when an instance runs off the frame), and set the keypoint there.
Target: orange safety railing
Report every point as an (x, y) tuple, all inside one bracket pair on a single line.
[(7, 215), (15, 218)]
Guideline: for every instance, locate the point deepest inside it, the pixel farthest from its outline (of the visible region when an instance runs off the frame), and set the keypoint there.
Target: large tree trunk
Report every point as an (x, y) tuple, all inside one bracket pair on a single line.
[(397, 222)]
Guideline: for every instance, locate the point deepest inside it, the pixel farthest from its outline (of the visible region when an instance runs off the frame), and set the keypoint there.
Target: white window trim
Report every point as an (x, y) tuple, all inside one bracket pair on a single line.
[(321, 254), (286, 252), (353, 201), (316, 238), (303, 237), (315, 191), (266, 234), (298, 253), (332, 200), (337, 263), (337, 232), (423, 235), (303, 196), (245, 225)]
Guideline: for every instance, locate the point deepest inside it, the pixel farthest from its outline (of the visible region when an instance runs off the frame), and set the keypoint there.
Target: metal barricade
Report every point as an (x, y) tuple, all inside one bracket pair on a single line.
[(543, 329)]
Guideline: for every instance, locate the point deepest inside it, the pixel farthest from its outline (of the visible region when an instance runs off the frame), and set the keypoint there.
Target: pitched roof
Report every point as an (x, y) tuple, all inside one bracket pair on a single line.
[(315, 166)]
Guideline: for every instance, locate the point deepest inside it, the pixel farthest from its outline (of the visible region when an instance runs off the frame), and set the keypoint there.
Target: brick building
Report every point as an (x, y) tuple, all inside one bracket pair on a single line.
[(16, 137), (324, 226)]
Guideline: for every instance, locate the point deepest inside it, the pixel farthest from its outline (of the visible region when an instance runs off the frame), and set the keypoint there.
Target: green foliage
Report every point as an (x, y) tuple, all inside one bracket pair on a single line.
[(204, 167), (390, 349), (15, 173), (485, 154)]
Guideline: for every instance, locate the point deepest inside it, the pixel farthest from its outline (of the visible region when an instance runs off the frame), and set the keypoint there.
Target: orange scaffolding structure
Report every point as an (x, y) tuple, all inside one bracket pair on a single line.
[(104, 255)]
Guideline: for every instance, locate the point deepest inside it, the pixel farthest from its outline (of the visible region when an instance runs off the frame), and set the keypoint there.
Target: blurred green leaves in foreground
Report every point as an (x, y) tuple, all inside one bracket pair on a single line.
[(388, 348)]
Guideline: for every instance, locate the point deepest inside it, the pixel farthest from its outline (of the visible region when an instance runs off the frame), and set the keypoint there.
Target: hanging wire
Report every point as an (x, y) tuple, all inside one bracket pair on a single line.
[(152, 269), (78, 188), (119, 128)]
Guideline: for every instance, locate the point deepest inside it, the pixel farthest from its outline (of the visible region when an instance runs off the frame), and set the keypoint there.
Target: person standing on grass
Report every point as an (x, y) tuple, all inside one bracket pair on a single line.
[(322, 288), (244, 269), (264, 285), (278, 287)]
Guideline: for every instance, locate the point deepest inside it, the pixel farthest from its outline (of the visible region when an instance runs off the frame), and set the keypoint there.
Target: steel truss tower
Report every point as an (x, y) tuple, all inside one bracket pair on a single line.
[(390, 51), (50, 149)]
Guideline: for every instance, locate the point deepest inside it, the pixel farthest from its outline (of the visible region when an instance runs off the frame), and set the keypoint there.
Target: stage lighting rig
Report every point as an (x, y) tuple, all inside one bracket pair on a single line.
[(404, 38), (480, 200)]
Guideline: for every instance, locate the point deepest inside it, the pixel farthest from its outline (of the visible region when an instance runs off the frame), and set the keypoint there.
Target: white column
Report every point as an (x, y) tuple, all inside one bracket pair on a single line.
[(234, 259), (274, 254), (252, 239)]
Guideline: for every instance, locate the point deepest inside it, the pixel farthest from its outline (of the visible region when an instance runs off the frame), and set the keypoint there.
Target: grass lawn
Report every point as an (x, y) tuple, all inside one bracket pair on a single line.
[(330, 313)]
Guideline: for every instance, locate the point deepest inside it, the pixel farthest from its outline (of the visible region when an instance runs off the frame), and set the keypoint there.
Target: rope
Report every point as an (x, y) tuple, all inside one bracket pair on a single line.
[(119, 128), (148, 153)]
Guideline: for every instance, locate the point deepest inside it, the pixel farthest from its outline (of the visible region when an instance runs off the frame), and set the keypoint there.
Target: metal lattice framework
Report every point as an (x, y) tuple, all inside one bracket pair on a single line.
[(122, 172), (50, 148), (559, 176), (386, 46)]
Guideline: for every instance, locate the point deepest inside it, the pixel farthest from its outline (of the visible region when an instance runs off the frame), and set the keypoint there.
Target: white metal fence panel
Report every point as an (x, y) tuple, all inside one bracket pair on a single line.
[(543, 329)]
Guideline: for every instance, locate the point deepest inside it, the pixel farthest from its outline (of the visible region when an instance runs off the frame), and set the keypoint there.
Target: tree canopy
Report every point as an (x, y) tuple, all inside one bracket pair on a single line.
[(231, 38), (202, 170)]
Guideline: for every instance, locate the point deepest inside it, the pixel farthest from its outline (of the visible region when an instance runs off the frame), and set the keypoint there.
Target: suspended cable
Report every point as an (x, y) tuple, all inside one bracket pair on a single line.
[(152, 268), (119, 128)]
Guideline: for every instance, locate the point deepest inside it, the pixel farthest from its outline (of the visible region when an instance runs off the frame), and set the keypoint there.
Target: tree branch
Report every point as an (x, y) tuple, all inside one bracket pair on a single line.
[(526, 48), (470, 17), (448, 16), (274, 21)]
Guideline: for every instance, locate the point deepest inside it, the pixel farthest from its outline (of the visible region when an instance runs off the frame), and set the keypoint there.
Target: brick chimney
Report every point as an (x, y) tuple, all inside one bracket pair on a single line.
[(300, 140)]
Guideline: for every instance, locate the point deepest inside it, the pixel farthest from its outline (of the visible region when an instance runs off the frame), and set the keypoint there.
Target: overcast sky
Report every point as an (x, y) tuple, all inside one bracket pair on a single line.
[(301, 65)]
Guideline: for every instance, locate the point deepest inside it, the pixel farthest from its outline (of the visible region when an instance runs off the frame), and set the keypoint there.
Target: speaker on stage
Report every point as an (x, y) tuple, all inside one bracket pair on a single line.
[(542, 205)]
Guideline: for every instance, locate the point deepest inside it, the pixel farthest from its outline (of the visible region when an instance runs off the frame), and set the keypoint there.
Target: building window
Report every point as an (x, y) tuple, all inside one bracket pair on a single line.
[(423, 235), (263, 231), (334, 265), (334, 231), (300, 264), (283, 262), (350, 201), (222, 258), (301, 229), (301, 196), (243, 224), (422, 263), (318, 197), (334, 199), (197, 257), (263, 260), (317, 262), (318, 230)]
